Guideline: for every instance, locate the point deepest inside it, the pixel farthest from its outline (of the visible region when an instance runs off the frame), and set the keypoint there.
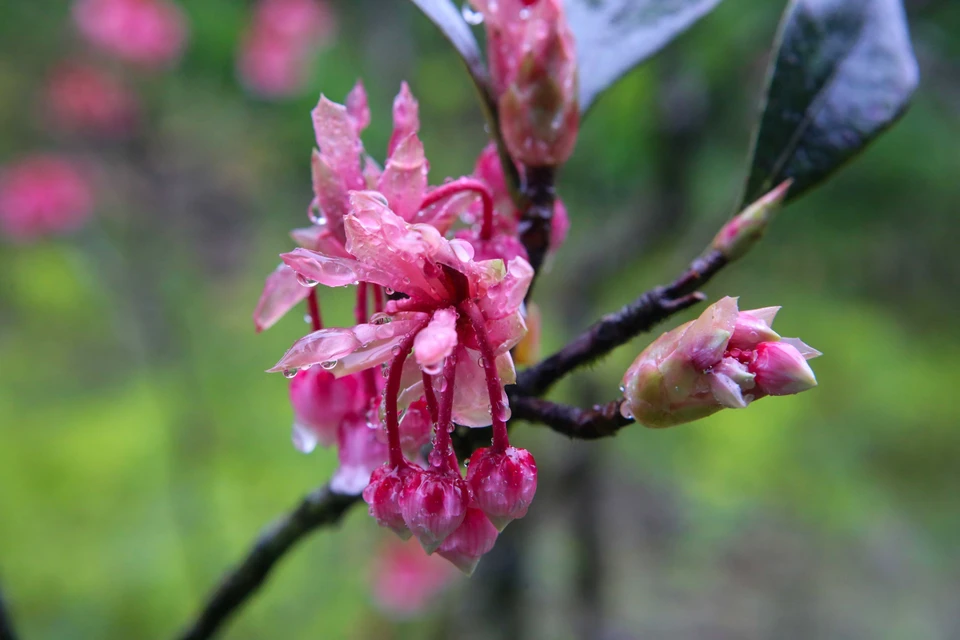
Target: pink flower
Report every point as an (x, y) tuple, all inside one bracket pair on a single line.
[(725, 358), (406, 580), (433, 505), (41, 195), (533, 64), (502, 484), (474, 538), (359, 452), (321, 402), (85, 99), (436, 275), (151, 33), (275, 58)]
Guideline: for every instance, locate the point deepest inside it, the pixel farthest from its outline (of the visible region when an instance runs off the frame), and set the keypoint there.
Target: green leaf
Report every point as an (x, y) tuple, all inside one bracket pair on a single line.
[(613, 36), (843, 73), (448, 18)]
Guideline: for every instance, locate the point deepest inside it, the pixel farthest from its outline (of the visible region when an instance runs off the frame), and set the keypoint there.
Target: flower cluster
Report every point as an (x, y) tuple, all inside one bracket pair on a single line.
[(440, 290), (275, 55), (724, 358), (81, 98), (149, 33), (42, 195)]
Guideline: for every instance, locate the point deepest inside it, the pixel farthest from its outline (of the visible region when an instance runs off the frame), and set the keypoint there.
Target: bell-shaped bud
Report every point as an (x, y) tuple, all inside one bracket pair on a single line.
[(724, 358), (740, 234), (320, 403), (503, 484), (472, 539), (383, 496), (433, 505), (781, 369), (360, 452)]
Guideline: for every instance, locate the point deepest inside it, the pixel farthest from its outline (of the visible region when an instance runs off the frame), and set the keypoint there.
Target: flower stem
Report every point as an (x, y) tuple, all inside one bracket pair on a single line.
[(430, 396), (390, 397), (494, 387), (313, 305), (458, 186), (360, 311), (378, 297), (442, 443)]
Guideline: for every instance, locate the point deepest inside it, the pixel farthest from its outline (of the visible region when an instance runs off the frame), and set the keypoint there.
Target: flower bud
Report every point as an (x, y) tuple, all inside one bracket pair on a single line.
[(433, 505), (359, 452), (503, 484), (465, 546), (383, 496), (781, 369), (724, 358), (740, 234), (320, 403)]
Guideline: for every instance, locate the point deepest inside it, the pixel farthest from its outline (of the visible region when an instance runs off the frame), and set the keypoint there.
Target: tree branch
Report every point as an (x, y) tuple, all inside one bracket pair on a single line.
[(602, 421), (320, 508), (616, 328), (6, 622)]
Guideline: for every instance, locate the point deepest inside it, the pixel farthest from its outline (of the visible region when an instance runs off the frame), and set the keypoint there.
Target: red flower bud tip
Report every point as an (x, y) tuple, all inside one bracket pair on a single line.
[(320, 403), (433, 505), (781, 369), (503, 484), (383, 496), (741, 233), (465, 546)]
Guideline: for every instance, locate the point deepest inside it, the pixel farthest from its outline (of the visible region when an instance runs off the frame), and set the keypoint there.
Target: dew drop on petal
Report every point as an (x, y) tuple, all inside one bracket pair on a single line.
[(328, 364), (395, 350), (305, 281), (504, 413), (388, 291), (290, 373), (380, 318), (471, 17)]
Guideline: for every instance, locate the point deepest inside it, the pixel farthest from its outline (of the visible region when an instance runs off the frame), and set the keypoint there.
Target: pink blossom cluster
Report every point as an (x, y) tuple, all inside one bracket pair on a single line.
[(440, 282), (276, 53), (82, 98), (43, 194), (148, 33), (406, 581)]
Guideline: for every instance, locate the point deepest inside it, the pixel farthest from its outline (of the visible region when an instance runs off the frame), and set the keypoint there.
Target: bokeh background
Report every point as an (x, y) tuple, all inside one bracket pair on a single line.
[(142, 447)]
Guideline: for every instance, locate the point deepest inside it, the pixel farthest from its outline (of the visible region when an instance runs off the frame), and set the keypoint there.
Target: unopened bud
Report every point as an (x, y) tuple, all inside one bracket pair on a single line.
[(383, 496), (503, 484), (472, 539), (433, 505), (740, 234)]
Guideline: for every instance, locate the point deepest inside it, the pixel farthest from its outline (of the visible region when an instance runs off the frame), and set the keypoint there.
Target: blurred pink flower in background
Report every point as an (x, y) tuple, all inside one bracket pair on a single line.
[(406, 581), (152, 33), (276, 53), (81, 98), (43, 194)]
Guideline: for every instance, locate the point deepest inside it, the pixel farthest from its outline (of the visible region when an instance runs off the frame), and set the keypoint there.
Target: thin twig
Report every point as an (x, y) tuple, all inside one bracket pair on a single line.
[(6, 622), (320, 508), (619, 327), (602, 421)]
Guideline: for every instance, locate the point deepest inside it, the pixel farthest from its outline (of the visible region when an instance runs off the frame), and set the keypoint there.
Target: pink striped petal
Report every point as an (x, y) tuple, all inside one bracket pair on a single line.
[(281, 293)]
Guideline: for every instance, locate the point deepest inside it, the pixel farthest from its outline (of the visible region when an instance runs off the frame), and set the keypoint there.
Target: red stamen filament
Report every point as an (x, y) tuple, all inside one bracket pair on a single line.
[(500, 438), (313, 305), (458, 186), (443, 443), (430, 396), (390, 398)]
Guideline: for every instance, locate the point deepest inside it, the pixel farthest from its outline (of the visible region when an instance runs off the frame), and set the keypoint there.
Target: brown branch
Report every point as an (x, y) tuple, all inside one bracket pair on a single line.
[(602, 421), (320, 508), (616, 328)]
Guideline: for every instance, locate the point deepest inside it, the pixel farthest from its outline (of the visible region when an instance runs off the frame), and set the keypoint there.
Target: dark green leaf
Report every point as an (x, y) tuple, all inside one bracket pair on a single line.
[(449, 20), (843, 72), (613, 36)]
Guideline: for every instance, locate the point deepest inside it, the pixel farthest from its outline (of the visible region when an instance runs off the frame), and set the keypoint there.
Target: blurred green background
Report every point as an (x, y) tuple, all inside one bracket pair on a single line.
[(142, 448)]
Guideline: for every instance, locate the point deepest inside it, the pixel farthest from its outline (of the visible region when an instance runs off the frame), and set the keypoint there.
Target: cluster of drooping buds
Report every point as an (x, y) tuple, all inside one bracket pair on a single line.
[(534, 72), (275, 58), (149, 33), (42, 195), (434, 353), (724, 359)]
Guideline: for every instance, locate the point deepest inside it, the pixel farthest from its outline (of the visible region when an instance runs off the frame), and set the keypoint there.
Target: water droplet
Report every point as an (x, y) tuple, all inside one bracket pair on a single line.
[(433, 369), (305, 281), (443, 384), (380, 318), (328, 364), (524, 13), (290, 373), (623, 389), (504, 412), (308, 319), (388, 291), (395, 350), (470, 16)]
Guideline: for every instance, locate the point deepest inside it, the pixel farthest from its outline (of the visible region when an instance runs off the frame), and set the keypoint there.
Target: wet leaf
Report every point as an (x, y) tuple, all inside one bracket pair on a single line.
[(613, 36), (448, 18), (843, 72)]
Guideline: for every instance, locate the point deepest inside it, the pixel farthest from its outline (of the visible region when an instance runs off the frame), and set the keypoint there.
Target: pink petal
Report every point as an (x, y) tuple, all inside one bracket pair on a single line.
[(404, 179), (333, 271), (360, 453), (472, 539), (324, 346), (436, 341), (471, 400), (706, 338), (339, 144), (781, 369), (331, 195), (358, 108), (805, 350), (319, 238), (281, 293), (406, 117)]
